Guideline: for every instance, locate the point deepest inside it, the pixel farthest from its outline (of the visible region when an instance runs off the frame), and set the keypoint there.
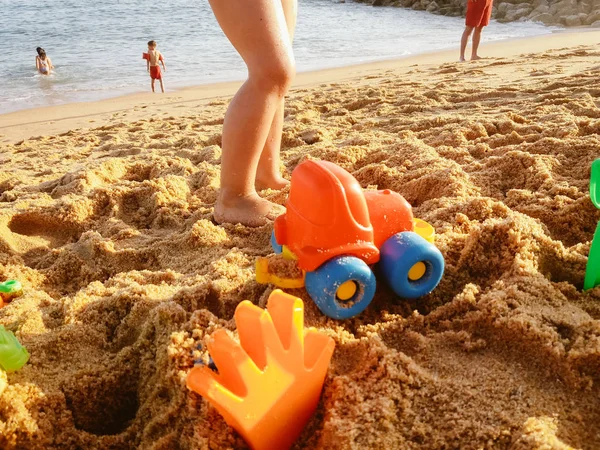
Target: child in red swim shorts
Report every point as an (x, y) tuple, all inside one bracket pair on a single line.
[(153, 58), (478, 16)]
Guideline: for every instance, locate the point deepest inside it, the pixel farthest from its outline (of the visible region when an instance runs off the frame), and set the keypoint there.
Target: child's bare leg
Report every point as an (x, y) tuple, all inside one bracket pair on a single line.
[(464, 40), (152, 84), (268, 174), (257, 29), (476, 40), (162, 86)]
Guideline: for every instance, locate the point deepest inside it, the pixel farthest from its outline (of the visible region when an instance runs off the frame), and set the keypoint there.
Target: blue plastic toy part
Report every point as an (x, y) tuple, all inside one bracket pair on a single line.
[(412, 266), (276, 247), (211, 364), (342, 287)]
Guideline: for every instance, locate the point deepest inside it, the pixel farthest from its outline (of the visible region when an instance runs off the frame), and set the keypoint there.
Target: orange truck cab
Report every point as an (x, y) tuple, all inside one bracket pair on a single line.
[(331, 224)]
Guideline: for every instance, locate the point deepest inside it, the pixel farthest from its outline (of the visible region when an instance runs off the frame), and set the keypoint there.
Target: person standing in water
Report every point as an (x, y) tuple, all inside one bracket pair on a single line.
[(42, 62), (262, 32), (153, 59), (479, 13)]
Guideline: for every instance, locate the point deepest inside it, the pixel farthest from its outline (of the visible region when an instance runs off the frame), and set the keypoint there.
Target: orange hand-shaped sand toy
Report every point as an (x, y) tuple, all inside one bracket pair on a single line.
[(335, 231), (268, 387)]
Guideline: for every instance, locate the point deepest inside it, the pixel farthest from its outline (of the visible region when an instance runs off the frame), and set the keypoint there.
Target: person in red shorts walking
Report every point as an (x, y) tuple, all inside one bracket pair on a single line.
[(478, 16), (153, 58)]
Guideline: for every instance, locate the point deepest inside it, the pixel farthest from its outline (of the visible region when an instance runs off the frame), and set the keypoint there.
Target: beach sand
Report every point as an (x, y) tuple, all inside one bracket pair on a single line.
[(105, 217)]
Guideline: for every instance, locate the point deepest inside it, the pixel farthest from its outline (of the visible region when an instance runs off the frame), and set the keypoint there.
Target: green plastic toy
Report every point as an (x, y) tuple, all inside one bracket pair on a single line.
[(10, 289), (595, 183), (13, 355), (592, 270)]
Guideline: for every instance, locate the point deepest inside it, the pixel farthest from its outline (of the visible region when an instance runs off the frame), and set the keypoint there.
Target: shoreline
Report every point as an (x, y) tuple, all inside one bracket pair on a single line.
[(17, 126)]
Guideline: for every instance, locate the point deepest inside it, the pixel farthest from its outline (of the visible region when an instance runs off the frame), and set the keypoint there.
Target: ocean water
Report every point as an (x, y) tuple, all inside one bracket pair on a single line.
[(97, 46)]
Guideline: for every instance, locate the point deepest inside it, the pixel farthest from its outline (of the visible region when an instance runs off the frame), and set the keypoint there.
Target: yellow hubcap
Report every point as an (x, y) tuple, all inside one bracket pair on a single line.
[(417, 271), (346, 291)]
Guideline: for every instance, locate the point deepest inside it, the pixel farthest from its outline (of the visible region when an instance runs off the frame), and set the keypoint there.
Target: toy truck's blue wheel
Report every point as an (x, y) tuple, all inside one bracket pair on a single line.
[(342, 287), (274, 245), (412, 266)]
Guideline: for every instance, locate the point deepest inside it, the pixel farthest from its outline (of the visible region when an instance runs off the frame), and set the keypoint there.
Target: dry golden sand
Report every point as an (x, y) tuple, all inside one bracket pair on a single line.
[(125, 274)]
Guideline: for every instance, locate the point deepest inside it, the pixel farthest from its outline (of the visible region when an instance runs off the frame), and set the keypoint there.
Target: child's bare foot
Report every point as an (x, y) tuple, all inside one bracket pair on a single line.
[(251, 210), (475, 58), (276, 183)]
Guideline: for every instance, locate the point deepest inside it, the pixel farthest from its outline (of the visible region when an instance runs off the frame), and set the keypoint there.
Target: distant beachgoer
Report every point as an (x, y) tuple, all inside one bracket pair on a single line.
[(262, 32), (43, 63), (153, 59), (479, 13)]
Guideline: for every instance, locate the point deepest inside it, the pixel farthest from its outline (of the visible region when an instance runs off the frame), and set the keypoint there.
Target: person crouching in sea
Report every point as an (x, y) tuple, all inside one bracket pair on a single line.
[(43, 63)]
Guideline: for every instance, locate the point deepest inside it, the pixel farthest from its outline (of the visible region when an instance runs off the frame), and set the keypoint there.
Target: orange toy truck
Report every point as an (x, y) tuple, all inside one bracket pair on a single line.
[(335, 231)]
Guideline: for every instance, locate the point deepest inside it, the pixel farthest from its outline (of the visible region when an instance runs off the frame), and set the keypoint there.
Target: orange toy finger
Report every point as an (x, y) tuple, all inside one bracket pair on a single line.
[(318, 349), (203, 381), (233, 362), (247, 317), (287, 313), (273, 345)]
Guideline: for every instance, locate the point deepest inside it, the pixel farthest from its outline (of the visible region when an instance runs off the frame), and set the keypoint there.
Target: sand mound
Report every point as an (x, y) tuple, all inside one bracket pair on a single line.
[(125, 274)]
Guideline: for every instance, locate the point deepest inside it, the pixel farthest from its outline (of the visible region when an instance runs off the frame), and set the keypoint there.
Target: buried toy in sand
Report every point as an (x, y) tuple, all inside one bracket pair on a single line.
[(13, 355), (592, 271), (267, 386), (334, 231), (10, 290)]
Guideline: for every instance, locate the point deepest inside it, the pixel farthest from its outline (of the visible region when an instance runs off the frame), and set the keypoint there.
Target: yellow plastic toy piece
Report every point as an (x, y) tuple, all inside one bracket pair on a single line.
[(417, 271), (424, 230), (269, 385), (288, 254), (263, 276), (346, 291)]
